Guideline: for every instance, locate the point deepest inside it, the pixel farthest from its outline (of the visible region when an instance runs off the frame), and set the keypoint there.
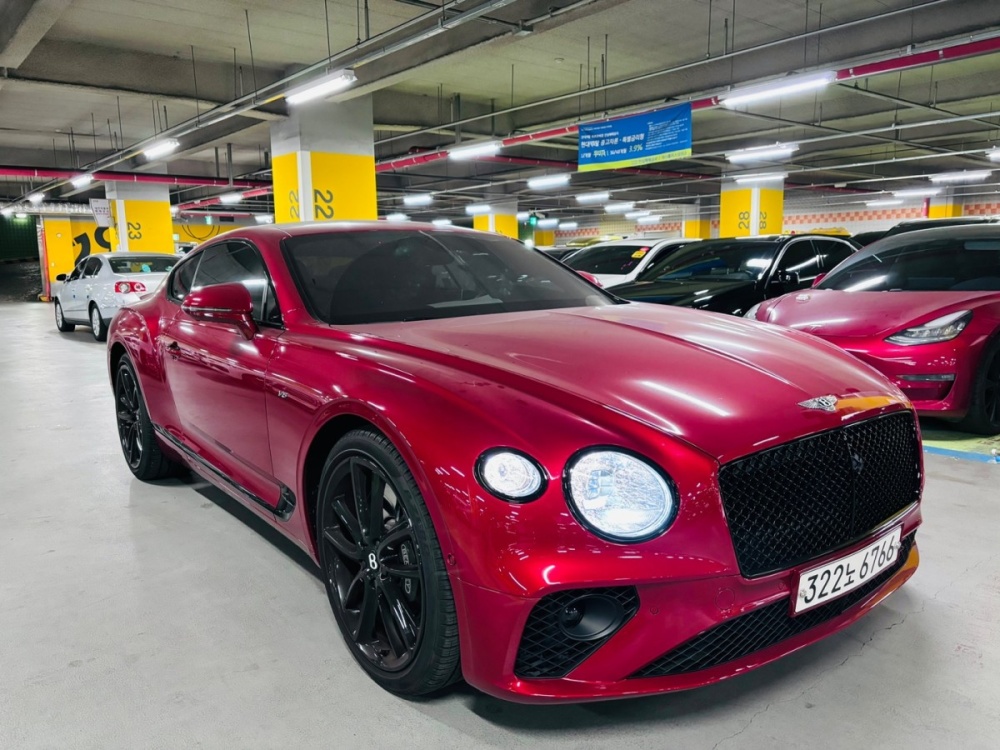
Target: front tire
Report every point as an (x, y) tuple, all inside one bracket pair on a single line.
[(142, 452), (984, 408), (61, 324), (97, 324), (383, 568)]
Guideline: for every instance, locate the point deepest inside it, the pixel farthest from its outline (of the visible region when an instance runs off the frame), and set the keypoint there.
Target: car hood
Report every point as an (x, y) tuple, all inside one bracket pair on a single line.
[(696, 293), (834, 313), (725, 385)]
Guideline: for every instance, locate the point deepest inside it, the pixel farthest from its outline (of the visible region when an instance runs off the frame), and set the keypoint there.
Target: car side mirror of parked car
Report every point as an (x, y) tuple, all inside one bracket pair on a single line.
[(229, 304), (61, 277), (590, 277), (818, 279), (787, 278)]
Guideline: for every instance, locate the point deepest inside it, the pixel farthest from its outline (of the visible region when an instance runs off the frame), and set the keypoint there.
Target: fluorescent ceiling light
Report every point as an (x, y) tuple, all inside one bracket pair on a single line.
[(650, 220), (418, 199), (884, 202), (325, 86), (599, 197), (916, 193), (174, 210), (399, 216), (993, 154), (547, 223), (568, 225), (162, 148), (637, 214), (972, 175), (478, 209), (777, 89), (548, 182), (474, 151), (20, 215), (749, 179), (231, 198), (7, 212), (763, 153), (620, 208), (441, 222), (523, 215), (264, 218), (81, 181), (36, 198)]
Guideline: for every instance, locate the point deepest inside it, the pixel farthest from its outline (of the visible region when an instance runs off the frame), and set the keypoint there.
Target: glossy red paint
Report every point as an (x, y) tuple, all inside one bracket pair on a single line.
[(686, 389), (860, 323)]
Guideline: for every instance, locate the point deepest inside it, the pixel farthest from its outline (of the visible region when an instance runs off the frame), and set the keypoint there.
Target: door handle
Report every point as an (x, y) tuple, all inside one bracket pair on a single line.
[(174, 349)]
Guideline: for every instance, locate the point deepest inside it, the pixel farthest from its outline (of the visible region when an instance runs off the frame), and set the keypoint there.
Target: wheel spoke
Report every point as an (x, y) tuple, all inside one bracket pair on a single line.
[(355, 587), (126, 416), (394, 536), (398, 620), (376, 498), (365, 630), (393, 632), (359, 493), (347, 521), (400, 570), (335, 537)]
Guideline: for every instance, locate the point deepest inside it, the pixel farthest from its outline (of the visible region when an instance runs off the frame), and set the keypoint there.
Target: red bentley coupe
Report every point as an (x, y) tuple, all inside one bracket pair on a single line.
[(924, 309), (507, 474)]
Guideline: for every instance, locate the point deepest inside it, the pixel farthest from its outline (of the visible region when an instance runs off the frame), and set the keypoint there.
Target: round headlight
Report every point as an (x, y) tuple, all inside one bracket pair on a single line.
[(510, 475), (618, 496)]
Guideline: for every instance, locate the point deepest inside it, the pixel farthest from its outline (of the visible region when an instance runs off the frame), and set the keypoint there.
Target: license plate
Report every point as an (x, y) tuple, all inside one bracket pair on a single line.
[(834, 579)]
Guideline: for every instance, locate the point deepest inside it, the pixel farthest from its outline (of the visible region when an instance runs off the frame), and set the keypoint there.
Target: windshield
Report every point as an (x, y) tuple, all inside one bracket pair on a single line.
[(143, 264), (940, 265), (396, 275), (609, 259), (715, 260)]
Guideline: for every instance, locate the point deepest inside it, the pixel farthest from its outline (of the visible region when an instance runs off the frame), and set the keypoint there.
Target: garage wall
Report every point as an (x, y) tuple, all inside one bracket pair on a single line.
[(18, 239)]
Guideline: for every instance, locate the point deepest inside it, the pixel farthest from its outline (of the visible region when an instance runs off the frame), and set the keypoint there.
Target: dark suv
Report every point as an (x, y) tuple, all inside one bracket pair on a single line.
[(733, 275), (956, 221)]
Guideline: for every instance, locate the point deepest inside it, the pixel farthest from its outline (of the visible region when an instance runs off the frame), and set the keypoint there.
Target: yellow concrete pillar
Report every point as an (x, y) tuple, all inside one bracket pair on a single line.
[(944, 206), (502, 219), (323, 163), (751, 210), (141, 214)]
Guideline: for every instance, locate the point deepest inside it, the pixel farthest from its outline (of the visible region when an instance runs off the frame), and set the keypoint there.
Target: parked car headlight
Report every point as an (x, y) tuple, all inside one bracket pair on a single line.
[(510, 475), (619, 496), (752, 312), (935, 331)]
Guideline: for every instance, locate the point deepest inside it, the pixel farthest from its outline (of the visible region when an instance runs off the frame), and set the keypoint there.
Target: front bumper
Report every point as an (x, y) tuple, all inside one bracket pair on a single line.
[(669, 616)]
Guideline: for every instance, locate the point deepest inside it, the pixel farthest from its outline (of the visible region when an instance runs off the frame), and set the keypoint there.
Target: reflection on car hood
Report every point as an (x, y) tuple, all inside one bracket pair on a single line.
[(829, 312), (725, 385), (694, 293)]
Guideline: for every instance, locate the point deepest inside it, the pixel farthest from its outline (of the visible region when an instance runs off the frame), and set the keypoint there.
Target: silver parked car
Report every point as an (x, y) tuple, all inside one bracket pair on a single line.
[(100, 284)]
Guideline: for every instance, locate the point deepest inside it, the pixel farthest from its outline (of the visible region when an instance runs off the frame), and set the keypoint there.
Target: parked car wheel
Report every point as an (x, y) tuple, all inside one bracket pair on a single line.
[(984, 409), (383, 567), (98, 324), (61, 323), (142, 452)]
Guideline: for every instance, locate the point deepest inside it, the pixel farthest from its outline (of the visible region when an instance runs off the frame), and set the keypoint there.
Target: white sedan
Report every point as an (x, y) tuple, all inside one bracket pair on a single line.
[(100, 284), (621, 261)]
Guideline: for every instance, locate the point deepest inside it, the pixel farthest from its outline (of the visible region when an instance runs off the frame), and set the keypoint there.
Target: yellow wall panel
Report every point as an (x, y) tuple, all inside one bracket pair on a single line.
[(545, 237), (772, 207), (148, 226), (699, 229), (285, 173), (343, 187), (506, 225), (734, 212), (481, 223), (943, 210)]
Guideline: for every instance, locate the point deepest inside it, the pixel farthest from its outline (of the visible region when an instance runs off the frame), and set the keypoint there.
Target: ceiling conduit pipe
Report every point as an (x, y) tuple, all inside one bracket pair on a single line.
[(216, 199), (903, 62), (41, 173)]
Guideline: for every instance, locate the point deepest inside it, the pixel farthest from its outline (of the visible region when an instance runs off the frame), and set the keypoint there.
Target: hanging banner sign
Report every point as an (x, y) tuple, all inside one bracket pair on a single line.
[(101, 208), (637, 140)]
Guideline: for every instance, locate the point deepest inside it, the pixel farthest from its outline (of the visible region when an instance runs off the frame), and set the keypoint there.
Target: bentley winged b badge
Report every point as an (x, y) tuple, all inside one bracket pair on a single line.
[(824, 403)]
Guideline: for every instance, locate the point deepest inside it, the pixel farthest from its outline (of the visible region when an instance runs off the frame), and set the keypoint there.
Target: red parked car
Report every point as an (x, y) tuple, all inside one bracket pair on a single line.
[(506, 474), (924, 309)]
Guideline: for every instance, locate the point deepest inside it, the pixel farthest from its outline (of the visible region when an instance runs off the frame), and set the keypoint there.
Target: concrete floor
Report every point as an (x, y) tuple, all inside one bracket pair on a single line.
[(164, 616)]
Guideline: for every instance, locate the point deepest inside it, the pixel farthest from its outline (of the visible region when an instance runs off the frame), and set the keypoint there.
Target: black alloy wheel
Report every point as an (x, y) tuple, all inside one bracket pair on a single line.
[(142, 452), (983, 417), (383, 567)]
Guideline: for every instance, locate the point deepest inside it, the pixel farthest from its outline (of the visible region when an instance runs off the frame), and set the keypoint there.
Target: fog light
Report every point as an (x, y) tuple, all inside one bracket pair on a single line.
[(590, 617)]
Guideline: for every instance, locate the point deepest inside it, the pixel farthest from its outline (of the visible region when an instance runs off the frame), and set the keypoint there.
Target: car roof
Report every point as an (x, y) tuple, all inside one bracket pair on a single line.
[(649, 241), (136, 254), (968, 232), (949, 221)]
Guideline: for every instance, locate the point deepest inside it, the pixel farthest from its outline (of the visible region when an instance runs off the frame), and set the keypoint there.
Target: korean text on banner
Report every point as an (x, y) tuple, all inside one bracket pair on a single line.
[(101, 208), (637, 140)]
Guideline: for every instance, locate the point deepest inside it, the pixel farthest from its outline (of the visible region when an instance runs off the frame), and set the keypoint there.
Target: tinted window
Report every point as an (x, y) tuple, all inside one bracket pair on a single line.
[(929, 265), (77, 272), (833, 253), (91, 268), (735, 260), (180, 282), (237, 263), (142, 264), (379, 276), (801, 257), (611, 259)]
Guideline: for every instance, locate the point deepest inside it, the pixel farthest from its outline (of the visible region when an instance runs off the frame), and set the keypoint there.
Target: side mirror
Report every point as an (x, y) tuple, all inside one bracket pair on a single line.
[(61, 277), (818, 279), (229, 304), (590, 277), (786, 278)]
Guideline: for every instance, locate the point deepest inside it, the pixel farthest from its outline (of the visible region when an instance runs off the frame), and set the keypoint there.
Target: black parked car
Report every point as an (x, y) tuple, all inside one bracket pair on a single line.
[(953, 221), (733, 275)]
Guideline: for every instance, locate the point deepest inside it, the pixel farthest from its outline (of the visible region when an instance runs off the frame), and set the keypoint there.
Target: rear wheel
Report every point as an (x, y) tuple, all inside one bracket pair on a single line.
[(384, 572), (61, 323), (135, 430), (97, 324), (984, 408)]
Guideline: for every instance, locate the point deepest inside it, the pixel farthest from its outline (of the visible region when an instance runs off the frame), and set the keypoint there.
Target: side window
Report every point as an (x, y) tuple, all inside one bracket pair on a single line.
[(803, 259), (235, 262), (833, 252), (180, 282), (77, 271), (90, 267)]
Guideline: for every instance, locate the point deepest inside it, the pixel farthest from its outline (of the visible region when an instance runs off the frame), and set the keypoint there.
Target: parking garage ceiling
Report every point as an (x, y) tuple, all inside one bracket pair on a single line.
[(83, 80)]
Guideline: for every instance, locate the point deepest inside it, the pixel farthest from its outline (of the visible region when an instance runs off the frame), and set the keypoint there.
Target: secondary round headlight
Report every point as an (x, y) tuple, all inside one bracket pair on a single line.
[(510, 475), (619, 496)]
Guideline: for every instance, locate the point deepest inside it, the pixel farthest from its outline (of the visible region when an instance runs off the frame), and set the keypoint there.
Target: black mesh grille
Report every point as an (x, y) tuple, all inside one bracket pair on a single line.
[(798, 501), (546, 651), (757, 630)]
